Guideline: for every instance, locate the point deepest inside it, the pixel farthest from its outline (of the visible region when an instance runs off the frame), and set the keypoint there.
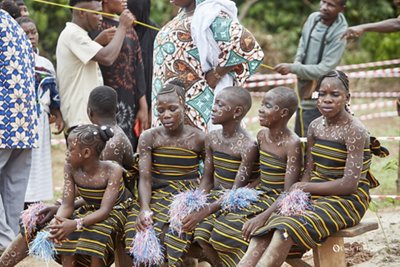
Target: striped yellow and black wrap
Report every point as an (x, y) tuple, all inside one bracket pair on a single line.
[(226, 237), (174, 170), (225, 171), (97, 240), (328, 214)]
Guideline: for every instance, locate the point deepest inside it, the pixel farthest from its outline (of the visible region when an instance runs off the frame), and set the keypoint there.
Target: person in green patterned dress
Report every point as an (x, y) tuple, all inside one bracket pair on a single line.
[(336, 175), (178, 54)]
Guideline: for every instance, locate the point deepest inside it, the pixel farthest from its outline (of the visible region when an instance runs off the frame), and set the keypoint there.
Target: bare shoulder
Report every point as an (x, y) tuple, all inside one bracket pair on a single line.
[(247, 142), (148, 135), (261, 134), (112, 168), (355, 131)]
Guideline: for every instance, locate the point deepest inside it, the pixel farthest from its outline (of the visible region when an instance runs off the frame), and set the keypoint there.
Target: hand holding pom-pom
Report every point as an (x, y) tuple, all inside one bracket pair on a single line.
[(30, 218), (296, 202), (42, 247), (184, 204), (238, 199), (146, 248)]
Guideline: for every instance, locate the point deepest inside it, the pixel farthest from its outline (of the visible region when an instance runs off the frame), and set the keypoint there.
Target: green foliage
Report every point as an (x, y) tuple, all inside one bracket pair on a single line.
[(277, 24), (50, 21)]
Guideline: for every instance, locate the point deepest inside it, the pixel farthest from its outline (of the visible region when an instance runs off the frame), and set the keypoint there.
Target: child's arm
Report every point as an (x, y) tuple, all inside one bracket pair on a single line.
[(249, 156), (67, 226), (309, 164), (293, 169), (293, 163), (206, 184), (67, 207), (352, 173), (207, 181), (145, 180)]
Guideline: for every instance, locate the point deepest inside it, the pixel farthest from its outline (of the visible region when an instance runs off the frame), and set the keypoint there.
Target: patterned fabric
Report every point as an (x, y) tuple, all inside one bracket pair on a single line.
[(126, 76), (329, 213), (176, 56), (40, 183), (97, 240), (18, 117), (225, 169), (167, 161), (226, 236)]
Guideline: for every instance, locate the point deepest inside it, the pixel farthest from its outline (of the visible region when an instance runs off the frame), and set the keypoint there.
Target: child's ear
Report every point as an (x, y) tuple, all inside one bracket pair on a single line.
[(238, 112), (284, 112), (87, 152)]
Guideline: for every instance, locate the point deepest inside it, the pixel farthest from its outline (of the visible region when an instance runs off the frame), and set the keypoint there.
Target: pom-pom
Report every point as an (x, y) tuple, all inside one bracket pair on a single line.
[(146, 248), (184, 204), (30, 218), (296, 202), (238, 199), (42, 247)]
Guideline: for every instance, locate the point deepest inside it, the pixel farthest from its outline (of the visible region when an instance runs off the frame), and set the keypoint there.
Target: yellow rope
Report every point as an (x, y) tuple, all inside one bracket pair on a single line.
[(116, 16), (93, 11)]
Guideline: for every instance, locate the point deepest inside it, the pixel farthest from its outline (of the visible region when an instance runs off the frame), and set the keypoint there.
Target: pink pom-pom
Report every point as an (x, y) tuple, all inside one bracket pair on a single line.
[(184, 204), (146, 248), (30, 218), (296, 202)]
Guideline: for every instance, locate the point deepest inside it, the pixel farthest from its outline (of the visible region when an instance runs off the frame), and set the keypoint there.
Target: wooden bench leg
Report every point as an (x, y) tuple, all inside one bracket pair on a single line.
[(330, 254)]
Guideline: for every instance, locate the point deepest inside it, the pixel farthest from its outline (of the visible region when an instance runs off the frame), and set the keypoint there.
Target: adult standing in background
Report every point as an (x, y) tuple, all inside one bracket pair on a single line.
[(141, 10), (205, 47), (78, 56), (126, 75), (40, 184), (384, 26), (18, 123), (320, 51)]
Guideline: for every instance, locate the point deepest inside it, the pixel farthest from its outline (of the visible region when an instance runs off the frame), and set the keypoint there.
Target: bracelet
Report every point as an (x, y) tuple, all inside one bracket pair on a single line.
[(79, 223), (216, 74)]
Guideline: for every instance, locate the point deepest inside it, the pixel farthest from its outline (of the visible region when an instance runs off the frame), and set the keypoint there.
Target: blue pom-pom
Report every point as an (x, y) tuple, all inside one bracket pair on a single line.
[(238, 199), (42, 247)]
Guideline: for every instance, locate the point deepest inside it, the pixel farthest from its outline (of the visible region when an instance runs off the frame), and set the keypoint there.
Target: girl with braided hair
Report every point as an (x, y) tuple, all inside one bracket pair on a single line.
[(337, 176), (87, 236)]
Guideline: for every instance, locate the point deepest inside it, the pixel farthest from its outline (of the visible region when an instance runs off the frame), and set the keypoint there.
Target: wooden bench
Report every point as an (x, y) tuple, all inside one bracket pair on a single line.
[(331, 253)]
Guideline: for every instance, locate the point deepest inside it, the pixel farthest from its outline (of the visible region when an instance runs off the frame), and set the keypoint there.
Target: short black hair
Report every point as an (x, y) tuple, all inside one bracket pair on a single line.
[(240, 95), (11, 8), (339, 75), (25, 19), (176, 86), (103, 101), (287, 98)]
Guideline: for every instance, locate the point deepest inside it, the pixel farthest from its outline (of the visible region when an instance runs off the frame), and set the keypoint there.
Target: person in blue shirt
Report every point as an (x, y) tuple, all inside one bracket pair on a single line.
[(18, 123)]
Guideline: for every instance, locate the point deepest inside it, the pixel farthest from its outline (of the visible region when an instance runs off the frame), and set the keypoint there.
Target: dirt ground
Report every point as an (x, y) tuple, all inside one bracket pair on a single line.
[(379, 248)]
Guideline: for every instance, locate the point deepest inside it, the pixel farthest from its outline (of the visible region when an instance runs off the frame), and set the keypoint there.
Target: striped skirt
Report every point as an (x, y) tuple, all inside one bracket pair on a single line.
[(97, 240)]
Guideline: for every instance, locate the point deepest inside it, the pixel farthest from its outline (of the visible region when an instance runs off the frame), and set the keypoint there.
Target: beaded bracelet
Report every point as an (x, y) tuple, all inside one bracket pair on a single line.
[(79, 223)]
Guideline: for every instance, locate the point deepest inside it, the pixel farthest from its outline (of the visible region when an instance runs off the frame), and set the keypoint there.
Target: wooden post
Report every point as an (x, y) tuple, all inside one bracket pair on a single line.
[(330, 254)]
